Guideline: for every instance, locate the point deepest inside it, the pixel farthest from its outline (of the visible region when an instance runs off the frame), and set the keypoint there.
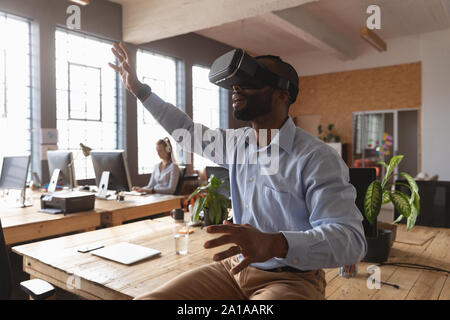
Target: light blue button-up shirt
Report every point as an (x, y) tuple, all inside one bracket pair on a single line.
[(309, 200)]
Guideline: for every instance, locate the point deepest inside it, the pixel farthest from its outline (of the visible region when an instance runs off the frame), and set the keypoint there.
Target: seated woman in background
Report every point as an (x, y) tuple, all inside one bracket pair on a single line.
[(165, 174)]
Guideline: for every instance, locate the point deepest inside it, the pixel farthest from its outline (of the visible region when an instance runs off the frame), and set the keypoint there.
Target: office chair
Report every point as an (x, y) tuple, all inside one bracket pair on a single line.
[(38, 289), (180, 181)]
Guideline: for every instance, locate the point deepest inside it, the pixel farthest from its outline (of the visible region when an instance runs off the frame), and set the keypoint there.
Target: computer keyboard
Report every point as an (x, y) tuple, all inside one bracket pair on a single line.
[(133, 193)]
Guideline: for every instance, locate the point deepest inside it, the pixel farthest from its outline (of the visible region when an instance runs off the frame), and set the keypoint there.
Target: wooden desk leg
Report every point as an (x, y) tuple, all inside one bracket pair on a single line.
[(117, 221), (109, 220)]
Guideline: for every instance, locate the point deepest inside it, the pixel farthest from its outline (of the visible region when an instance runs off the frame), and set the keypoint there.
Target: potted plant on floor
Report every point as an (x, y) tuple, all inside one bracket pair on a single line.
[(209, 201), (382, 192)]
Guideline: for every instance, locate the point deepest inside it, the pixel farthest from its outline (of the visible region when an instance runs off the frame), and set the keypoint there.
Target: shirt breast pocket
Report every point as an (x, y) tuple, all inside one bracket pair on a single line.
[(278, 203)]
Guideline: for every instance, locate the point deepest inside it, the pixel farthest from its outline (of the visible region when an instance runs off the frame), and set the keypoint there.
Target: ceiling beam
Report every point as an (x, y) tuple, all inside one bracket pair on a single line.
[(149, 20), (299, 22)]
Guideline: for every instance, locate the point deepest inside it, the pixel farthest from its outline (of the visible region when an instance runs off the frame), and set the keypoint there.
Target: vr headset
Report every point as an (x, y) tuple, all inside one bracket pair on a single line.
[(237, 68)]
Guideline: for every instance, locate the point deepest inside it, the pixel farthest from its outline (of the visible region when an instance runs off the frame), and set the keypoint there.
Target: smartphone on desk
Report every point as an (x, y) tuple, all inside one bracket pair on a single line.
[(90, 248)]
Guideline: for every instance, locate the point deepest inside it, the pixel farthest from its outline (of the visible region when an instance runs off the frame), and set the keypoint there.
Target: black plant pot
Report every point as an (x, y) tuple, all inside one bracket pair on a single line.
[(207, 221), (378, 248)]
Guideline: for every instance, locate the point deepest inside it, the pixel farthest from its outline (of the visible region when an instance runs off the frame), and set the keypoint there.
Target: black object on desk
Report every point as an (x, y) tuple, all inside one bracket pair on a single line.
[(67, 202), (177, 214)]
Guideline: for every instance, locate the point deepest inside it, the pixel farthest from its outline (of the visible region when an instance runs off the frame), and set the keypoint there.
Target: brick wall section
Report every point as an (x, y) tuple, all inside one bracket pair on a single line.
[(335, 96)]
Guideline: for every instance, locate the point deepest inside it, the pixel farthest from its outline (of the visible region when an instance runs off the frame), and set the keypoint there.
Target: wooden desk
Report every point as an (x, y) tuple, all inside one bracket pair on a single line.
[(27, 224), (134, 207), (58, 262)]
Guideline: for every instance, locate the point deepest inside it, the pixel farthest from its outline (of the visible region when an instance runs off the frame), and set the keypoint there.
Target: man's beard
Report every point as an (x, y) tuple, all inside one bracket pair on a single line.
[(256, 106)]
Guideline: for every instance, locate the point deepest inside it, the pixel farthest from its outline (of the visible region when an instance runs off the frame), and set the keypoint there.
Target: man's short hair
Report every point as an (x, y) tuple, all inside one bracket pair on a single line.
[(284, 70)]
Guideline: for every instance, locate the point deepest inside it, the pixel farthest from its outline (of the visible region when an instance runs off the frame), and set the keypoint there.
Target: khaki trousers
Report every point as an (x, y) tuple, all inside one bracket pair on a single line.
[(214, 282)]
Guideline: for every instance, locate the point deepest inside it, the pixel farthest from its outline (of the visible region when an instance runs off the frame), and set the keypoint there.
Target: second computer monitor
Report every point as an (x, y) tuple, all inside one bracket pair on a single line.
[(115, 163), (62, 160)]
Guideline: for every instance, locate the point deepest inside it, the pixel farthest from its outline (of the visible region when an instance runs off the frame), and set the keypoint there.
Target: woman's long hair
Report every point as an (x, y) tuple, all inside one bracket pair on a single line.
[(168, 147)]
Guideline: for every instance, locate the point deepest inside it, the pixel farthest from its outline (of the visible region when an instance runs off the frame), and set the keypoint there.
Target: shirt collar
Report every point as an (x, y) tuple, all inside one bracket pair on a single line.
[(284, 138)]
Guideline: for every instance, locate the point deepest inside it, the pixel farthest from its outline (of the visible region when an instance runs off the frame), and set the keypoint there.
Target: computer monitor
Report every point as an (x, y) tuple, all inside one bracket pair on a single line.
[(14, 175), (62, 160), (14, 172), (115, 163), (222, 174), (361, 178)]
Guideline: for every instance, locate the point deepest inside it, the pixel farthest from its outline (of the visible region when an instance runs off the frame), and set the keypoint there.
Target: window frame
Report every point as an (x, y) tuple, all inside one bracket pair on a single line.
[(119, 141), (4, 110), (180, 84), (69, 91), (223, 111)]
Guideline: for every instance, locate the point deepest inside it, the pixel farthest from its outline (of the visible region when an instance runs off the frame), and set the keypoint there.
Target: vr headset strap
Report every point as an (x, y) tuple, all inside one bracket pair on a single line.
[(276, 81)]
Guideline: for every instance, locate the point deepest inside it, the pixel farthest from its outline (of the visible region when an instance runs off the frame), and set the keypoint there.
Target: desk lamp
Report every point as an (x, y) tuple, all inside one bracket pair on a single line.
[(86, 152)]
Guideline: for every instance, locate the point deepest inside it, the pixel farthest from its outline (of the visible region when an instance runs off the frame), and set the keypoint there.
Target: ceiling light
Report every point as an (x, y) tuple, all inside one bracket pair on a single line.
[(372, 38), (81, 2)]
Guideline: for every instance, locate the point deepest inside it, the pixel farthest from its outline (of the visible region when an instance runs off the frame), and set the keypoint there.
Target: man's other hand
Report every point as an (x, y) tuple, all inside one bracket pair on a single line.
[(254, 245)]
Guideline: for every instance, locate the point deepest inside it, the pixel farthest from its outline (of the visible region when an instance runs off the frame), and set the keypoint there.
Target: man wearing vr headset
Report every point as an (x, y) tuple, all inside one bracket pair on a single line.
[(286, 226)]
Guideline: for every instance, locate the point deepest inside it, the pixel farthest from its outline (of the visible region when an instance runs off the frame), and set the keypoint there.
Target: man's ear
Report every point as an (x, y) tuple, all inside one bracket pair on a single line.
[(283, 96)]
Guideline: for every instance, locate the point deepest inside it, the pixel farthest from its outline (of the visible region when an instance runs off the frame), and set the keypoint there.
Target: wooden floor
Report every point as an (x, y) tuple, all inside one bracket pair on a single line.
[(421, 245)]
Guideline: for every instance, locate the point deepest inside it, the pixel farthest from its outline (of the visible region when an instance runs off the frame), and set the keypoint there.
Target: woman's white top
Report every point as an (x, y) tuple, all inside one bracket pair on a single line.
[(164, 181)]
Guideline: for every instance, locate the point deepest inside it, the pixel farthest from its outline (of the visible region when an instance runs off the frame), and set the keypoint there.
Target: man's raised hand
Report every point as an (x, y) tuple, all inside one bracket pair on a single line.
[(128, 74)]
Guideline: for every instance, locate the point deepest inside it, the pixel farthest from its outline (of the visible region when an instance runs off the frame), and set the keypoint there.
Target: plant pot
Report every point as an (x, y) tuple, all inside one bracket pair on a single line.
[(206, 220), (378, 248), (389, 226)]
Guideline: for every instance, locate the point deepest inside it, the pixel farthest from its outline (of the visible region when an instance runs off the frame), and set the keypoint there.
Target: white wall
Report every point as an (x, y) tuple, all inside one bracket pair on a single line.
[(433, 50), (436, 103)]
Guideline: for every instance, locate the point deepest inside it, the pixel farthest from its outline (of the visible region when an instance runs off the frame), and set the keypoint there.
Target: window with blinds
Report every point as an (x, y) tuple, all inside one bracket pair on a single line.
[(15, 85), (206, 105), (369, 129), (86, 97), (160, 73)]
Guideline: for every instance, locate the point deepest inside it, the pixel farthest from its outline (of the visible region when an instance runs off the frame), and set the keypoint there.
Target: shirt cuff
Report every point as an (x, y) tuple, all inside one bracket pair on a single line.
[(299, 247), (153, 101)]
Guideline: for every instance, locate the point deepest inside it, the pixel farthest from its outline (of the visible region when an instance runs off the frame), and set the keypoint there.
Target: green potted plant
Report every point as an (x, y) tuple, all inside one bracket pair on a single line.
[(382, 192), (209, 201)]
